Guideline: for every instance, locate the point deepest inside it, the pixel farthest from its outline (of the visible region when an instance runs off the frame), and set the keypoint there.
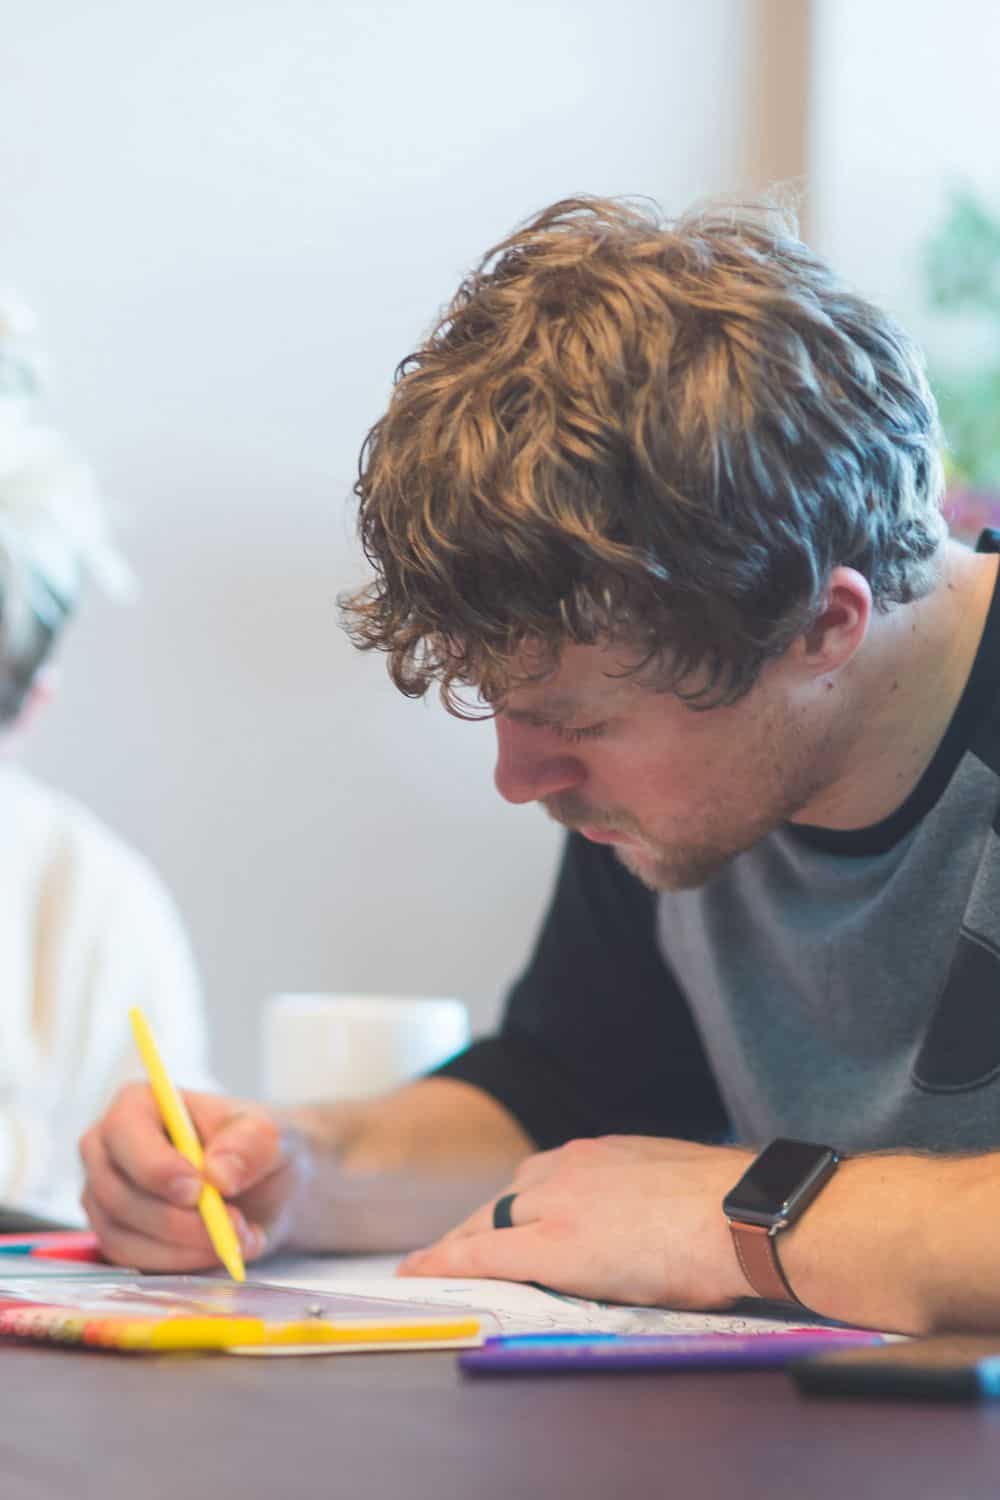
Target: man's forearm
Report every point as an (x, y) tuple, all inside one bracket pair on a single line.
[(903, 1242), (396, 1172)]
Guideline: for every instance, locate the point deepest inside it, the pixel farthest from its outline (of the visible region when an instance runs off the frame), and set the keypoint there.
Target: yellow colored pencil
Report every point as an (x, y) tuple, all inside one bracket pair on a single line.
[(180, 1128), (229, 1333)]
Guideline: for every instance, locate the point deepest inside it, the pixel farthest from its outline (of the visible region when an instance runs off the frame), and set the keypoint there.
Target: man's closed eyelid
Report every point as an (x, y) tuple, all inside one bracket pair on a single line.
[(540, 724), (585, 732)]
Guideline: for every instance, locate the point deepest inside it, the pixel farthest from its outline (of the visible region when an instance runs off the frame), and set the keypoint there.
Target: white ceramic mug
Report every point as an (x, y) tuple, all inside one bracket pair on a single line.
[(352, 1046)]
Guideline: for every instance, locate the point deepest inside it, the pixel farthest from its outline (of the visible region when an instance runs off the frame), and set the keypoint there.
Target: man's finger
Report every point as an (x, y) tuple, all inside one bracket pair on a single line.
[(525, 1206), (126, 1245), (535, 1169), (134, 1138), (242, 1145), (128, 1206), (519, 1254), (477, 1223), (124, 1209), (247, 1149)]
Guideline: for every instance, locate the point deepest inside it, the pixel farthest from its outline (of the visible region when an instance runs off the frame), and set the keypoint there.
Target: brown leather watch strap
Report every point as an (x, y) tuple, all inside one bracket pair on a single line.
[(758, 1258)]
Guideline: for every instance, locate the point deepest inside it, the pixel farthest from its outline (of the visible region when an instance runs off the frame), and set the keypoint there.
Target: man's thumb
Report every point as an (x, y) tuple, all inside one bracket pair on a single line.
[(244, 1150)]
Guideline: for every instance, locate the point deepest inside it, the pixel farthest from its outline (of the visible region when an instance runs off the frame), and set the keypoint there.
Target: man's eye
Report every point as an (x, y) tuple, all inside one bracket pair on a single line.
[(563, 732)]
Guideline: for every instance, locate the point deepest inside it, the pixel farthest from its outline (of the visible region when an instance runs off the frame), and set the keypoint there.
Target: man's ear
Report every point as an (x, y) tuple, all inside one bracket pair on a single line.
[(841, 625)]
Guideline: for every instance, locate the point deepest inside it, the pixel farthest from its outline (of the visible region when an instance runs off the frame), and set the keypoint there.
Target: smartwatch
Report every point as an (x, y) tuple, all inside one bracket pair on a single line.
[(773, 1192)]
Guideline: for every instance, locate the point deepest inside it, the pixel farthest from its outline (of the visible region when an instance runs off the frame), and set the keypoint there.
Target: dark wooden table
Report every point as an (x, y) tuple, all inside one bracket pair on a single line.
[(76, 1426)]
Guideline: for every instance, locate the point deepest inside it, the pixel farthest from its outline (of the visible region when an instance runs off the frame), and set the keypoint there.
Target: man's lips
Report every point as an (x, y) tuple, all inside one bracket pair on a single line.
[(597, 833)]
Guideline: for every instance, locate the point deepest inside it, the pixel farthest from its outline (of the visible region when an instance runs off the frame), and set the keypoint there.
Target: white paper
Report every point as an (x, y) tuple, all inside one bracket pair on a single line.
[(516, 1307)]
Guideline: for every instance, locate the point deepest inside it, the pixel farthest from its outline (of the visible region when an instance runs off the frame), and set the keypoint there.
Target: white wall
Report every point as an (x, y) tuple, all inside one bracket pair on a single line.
[(235, 219), (903, 106)]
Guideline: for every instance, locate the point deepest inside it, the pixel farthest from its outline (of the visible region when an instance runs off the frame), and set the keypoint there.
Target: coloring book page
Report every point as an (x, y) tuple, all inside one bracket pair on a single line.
[(517, 1308)]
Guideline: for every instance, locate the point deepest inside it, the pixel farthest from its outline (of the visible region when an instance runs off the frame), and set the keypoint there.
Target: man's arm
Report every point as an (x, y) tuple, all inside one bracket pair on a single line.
[(903, 1242), (597, 1037), (380, 1174), (395, 1172), (898, 1242)]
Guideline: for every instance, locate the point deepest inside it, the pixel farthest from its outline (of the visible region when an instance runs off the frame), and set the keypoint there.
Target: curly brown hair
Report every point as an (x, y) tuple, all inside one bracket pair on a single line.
[(663, 433)]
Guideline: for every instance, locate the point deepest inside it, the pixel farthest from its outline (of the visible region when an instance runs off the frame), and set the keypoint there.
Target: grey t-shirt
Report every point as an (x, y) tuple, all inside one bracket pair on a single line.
[(840, 998)]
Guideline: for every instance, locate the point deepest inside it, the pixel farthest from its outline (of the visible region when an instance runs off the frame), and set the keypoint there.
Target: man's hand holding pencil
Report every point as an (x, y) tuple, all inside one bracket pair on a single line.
[(141, 1195)]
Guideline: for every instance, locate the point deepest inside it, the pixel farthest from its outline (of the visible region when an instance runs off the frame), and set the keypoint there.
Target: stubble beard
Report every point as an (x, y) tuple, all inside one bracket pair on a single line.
[(681, 870), (662, 866), (658, 866)]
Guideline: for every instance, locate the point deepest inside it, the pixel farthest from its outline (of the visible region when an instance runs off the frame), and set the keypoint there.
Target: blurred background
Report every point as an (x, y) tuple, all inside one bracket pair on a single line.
[(233, 220)]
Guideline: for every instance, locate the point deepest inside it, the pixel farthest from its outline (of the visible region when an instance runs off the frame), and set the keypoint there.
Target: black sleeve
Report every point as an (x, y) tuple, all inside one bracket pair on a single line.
[(597, 1038)]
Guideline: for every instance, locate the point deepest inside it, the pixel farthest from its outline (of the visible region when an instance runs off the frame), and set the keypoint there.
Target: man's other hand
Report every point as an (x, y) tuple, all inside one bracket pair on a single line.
[(623, 1219)]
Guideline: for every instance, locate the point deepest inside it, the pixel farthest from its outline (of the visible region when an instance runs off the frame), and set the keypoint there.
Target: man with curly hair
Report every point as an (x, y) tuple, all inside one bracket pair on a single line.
[(664, 500)]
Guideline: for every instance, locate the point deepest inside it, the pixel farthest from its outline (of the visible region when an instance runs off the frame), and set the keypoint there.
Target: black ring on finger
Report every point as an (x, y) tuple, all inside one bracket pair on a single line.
[(501, 1212)]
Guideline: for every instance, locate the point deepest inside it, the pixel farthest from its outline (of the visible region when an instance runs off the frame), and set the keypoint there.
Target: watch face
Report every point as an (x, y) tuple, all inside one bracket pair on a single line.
[(779, 1184)]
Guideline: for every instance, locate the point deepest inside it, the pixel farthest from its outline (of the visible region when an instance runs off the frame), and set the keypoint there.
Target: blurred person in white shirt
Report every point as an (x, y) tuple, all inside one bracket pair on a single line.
[(86, 926)]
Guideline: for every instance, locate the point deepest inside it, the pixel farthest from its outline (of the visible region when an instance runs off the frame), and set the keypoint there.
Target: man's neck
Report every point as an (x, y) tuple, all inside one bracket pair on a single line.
[(900, 693)]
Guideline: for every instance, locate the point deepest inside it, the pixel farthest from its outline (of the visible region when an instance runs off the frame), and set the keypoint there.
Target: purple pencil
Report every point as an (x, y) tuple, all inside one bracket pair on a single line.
[(551, 1354)]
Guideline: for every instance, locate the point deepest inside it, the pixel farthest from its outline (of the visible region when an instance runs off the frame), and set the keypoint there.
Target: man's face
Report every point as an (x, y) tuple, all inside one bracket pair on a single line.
[(677, 791)]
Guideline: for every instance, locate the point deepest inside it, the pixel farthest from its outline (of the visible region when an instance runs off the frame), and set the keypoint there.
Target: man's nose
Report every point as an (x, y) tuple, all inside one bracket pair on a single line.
[(528, 767)]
